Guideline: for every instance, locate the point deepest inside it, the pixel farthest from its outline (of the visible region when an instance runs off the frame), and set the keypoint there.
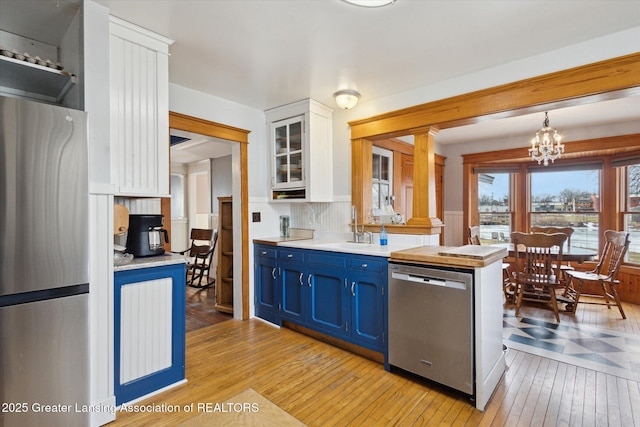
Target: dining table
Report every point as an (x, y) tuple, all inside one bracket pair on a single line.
[(572, 254)]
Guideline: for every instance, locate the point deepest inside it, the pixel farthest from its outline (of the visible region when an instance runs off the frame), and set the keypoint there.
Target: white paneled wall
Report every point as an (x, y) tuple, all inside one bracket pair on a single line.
[(140, 206), (454, 231), (145, 341), (333, 217)]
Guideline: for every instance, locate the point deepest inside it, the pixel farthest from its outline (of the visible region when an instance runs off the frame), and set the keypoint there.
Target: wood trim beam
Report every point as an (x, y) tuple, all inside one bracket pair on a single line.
[(206, 127), (609, 79), (572, 150)]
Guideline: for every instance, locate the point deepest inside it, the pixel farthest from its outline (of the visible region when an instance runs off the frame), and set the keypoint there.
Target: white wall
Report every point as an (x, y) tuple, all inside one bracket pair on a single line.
[(221, 179)]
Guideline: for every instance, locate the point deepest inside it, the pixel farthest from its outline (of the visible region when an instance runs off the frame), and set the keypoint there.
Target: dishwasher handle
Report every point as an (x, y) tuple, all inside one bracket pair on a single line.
[(426, 280)]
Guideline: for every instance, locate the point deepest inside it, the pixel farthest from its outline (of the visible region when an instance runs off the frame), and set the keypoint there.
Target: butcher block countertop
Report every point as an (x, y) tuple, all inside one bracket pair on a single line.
[(462, 256)]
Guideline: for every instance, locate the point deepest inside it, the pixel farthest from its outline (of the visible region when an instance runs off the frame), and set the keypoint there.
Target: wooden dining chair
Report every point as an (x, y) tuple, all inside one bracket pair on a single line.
[(538, 257), (566, 266), (507, 284), (200, 254), (605, 275), (474, 235)]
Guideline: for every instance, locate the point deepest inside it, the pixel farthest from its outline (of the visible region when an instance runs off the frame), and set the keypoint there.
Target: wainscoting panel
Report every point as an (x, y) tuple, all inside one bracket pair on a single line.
[(146, 325), (454, 231)]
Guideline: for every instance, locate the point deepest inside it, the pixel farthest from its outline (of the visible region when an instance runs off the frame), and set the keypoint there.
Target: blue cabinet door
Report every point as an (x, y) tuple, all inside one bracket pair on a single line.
[(368, 297), (367, 310), (266, 284), (294, 286), (328, 301)]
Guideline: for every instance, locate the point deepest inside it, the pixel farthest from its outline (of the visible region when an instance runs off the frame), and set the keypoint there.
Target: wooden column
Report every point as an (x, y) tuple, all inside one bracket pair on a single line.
[(424, 179), (361, 177)]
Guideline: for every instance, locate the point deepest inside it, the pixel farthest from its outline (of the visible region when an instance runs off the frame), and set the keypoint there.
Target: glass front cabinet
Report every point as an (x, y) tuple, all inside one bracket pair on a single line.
[(300, 136), (288, 155)]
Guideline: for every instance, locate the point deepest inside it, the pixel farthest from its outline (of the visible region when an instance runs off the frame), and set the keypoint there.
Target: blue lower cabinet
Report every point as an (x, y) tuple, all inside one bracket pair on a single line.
[(266, 283), (149, 330), (327, 302), (339, 294), (368, 318), (294, 287)]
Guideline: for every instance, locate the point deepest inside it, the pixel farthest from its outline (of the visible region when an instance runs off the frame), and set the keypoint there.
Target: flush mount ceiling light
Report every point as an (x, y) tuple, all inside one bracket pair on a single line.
[(347, 98), (546, 144), (370, 3)]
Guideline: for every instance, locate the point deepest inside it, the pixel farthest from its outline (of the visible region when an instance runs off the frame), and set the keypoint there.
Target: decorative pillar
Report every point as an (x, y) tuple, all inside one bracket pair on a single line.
[(424, 179)]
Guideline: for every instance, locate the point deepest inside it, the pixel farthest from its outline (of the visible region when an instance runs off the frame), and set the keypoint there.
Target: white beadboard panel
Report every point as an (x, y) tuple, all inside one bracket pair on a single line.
[(101, 300), (139, 104), (454, 232), (332, 216), (141, 206), (145, 318)]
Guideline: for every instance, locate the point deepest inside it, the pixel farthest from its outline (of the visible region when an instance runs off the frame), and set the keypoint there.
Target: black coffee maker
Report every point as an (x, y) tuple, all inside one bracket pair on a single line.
[(145, 235)]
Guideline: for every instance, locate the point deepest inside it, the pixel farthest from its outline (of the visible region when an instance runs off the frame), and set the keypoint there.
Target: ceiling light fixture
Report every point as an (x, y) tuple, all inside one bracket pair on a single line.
[(546, 144), (370, 3), (346, 98)]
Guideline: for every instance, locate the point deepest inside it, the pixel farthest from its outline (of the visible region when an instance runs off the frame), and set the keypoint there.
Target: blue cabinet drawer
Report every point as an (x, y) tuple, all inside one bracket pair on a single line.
[(265, 252), (367, 264), (326, 258), (291, 255)]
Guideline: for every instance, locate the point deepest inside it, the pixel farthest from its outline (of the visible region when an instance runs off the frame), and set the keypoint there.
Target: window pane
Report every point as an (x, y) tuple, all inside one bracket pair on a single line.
[(375, 169), (375, 195), (494, 207), (632, 226), (384, 168), (493, 192), (565, 191), (633, 188), (567, 199)]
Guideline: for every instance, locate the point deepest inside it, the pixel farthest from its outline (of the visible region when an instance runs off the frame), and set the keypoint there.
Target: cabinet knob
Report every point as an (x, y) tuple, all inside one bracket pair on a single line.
[(290, 256), (263, 253), (364, 265)]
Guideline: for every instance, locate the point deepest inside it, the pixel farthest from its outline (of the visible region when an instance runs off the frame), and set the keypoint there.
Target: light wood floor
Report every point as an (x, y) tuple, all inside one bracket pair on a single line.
[(322, 385)]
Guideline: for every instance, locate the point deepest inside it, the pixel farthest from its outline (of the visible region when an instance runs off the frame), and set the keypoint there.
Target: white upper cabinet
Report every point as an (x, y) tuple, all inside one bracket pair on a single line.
[(301, 147), (139, 88)]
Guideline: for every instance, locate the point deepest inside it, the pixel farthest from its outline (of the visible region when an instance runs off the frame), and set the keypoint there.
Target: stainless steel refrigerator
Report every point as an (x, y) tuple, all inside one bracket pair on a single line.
[(44, 271)]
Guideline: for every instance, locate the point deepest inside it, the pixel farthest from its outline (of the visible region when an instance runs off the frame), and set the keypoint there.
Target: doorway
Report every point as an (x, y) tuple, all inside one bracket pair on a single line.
[(201, 171), (238, 139)]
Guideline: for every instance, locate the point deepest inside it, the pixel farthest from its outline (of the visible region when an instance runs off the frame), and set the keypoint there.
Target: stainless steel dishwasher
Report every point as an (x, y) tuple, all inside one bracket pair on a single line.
[(431, 329)]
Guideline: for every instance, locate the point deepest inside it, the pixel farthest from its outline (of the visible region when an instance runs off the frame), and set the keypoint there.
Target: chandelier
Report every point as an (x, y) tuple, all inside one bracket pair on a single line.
[(546, 144)]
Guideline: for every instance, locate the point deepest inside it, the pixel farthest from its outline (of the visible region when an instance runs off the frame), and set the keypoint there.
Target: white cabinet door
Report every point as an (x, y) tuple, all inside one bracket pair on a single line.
[(287, 137), (139, 87)]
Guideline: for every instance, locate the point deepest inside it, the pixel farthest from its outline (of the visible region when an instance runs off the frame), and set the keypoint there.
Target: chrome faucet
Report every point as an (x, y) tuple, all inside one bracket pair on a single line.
[(358, 236), (354, 218)]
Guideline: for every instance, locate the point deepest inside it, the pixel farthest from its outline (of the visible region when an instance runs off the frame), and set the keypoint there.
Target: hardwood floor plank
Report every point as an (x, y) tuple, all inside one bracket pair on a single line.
[(634, 398), (546, 387), (520, 396), (553, 409), (322, 385)]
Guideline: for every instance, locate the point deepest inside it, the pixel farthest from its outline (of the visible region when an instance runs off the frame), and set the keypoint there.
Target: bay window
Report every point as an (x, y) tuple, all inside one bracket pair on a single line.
[(594, 187)]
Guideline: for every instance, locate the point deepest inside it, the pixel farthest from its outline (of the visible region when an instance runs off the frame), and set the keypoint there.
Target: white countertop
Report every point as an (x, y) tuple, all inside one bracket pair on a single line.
[(343, 246), (152, 261)]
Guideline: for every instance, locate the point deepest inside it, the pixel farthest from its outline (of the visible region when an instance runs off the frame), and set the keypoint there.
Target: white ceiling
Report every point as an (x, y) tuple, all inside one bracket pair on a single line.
[(266, 53)]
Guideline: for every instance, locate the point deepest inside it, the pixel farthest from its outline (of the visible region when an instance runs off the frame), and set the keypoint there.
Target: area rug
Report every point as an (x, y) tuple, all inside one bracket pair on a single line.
[(247, 409), (603, 350)]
